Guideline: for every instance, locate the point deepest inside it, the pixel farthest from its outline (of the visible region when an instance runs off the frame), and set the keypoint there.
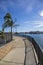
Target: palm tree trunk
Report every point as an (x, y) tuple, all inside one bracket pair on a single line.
[(3, 29), (11, 32)]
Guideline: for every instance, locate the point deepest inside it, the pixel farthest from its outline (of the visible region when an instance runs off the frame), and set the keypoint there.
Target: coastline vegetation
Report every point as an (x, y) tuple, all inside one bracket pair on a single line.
[(8, 22)]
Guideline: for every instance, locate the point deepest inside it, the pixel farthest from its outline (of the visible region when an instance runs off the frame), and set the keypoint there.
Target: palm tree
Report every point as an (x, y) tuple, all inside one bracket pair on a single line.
[(8, 22), (16, 25)]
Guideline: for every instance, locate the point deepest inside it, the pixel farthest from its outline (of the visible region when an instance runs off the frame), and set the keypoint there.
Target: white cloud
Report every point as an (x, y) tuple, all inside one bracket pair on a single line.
[(40, 24), (4, 5), (26, 22), (27, 5), (35, 24), (41, 13), (11, 3), (29, 9)]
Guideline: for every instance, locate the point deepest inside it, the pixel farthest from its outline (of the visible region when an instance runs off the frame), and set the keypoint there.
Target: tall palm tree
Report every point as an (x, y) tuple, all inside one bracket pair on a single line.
[(8, 22)]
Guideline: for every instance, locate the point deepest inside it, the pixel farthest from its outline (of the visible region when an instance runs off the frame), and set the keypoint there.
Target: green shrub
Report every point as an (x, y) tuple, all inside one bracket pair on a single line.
[(3, 35)]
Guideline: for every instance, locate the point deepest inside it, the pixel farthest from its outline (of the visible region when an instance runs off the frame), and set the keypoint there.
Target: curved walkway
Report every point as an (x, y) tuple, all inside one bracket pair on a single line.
[(20, 54), (30, 58), (16, 55)]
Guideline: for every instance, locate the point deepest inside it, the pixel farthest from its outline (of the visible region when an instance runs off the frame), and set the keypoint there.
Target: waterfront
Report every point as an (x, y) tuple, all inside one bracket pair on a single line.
[(37, 37), (21, 52)]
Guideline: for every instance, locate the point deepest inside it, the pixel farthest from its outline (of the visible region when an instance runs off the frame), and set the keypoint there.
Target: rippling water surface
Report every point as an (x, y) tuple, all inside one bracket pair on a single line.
[(38, 38)]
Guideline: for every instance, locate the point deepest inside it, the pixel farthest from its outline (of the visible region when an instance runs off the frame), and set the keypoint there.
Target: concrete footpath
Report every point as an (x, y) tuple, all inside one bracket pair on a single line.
[(20, 54), (30, 58), (16, 55)]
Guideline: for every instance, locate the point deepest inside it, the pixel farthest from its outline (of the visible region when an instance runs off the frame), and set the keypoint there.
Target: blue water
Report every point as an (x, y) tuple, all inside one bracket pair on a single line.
[(38, 38)]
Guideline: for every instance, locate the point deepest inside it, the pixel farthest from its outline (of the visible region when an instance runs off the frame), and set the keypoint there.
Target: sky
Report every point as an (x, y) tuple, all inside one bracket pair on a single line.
[(28, 14)]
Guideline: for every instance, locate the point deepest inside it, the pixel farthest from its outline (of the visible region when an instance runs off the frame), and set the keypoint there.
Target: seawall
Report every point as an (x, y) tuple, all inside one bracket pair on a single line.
[(37, 49)]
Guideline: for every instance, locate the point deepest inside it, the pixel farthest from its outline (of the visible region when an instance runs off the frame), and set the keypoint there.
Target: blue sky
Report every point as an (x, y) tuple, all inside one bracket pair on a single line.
[(29, 14)]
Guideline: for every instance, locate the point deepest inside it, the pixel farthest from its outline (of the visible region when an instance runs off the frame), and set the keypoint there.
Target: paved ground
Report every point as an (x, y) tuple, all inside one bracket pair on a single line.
[(22, 50), (30, 58), (16, 55)]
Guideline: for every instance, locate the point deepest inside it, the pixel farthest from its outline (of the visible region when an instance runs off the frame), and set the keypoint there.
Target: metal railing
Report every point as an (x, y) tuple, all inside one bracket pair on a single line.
[(6, 39)]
